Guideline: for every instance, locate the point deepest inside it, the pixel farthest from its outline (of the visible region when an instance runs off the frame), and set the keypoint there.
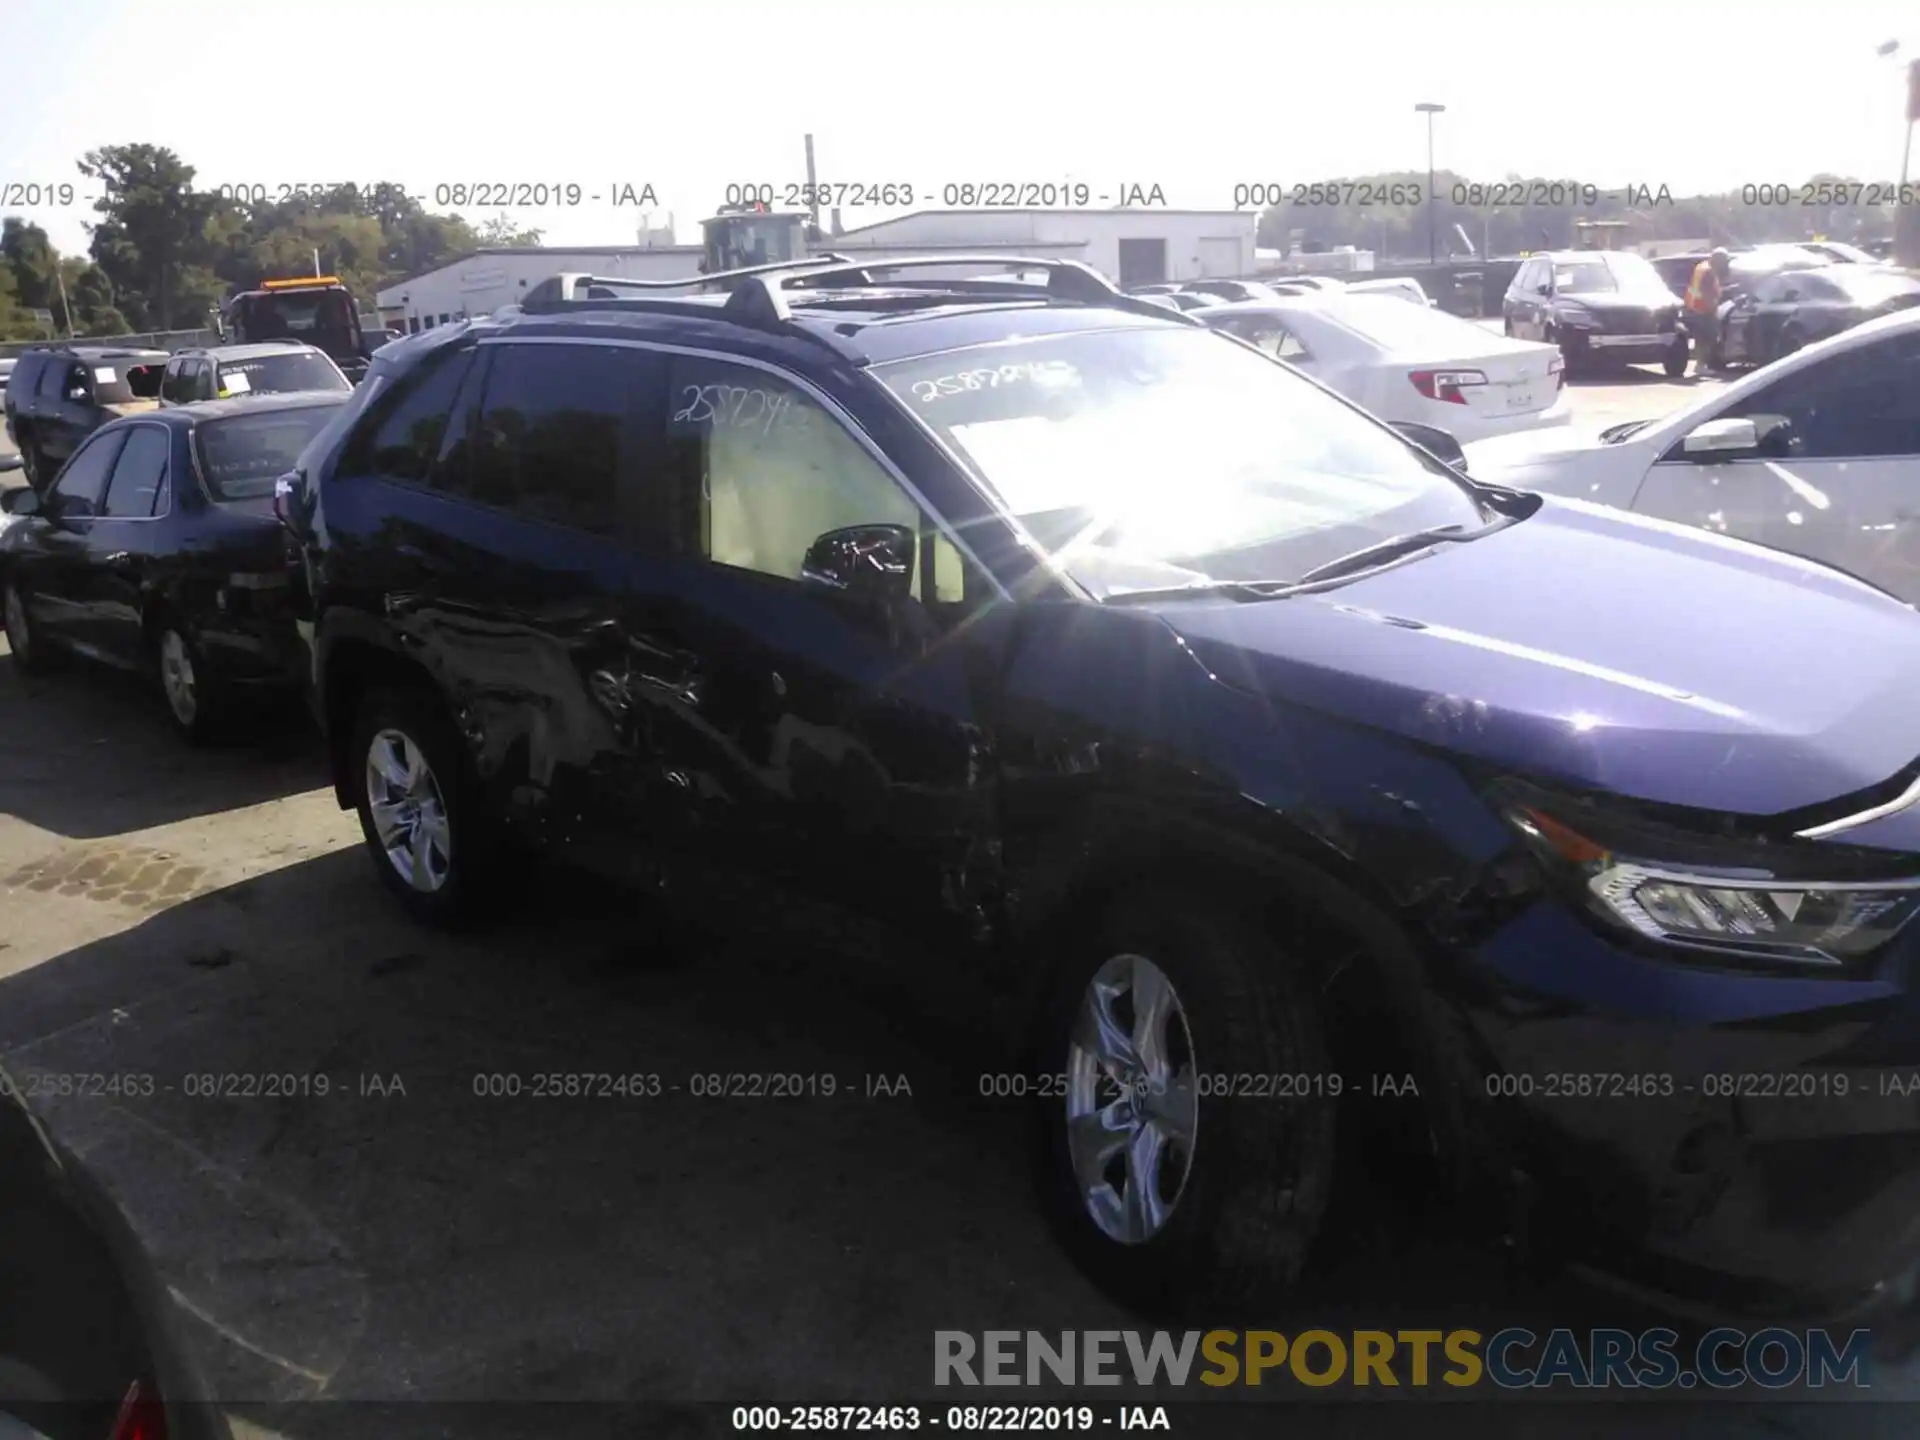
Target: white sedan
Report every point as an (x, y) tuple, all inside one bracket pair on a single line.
[(1817, 454), (1408, 363)]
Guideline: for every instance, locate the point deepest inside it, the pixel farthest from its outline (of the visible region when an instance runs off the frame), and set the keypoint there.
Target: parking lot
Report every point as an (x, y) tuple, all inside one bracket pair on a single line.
[(384, 1229)]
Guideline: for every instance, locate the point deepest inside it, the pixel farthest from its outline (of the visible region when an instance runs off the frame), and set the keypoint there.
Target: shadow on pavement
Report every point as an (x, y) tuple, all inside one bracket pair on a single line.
[(356, 1153), (87, 752)]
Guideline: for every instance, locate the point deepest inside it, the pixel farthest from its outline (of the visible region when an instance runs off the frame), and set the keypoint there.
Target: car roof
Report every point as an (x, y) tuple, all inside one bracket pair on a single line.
[(96, 352), (204, 410), (868, 334), (255, 350)]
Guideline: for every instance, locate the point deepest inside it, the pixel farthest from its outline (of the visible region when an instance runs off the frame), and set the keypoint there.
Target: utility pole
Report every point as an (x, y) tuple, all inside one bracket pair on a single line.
[(1430, 109), (813, 190)]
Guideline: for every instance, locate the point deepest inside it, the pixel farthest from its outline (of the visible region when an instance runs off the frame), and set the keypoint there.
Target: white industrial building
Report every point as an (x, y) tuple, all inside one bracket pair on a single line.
[(481, 282), (1134, 246)]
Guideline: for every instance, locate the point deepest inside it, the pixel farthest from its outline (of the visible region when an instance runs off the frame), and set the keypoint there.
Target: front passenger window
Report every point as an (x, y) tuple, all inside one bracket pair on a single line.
[(84, 480), (1856, 405), (775, 470)]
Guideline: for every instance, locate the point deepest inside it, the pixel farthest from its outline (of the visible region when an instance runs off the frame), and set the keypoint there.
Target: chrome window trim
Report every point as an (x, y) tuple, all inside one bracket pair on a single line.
[(166, 475), (799, 382), (1905, 800)]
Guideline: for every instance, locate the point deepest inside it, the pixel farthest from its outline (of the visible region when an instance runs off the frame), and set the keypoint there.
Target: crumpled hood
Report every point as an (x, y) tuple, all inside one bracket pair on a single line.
[(1606, 650)]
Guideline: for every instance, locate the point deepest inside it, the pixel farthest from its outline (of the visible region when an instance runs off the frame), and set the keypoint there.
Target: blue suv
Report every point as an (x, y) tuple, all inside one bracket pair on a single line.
[(1278, 779)]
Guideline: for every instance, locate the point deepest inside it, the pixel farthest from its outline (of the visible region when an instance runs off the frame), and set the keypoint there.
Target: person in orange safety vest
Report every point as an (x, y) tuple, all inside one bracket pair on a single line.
[(1703, 307)]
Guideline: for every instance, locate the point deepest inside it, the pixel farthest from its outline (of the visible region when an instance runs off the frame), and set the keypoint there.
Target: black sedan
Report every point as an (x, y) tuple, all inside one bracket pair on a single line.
[(87, 1343), (156, 550), (1779, 313)]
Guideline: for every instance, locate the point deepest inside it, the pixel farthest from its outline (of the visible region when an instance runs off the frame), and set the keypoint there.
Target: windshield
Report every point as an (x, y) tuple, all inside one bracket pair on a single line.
[(271, 374), (306, 315), (1149, 458), (1606, 273), (240, 458)]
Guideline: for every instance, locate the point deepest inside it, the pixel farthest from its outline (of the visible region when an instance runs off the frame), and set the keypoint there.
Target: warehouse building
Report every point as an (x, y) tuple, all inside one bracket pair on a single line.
[(481, 282), (1135, 246)]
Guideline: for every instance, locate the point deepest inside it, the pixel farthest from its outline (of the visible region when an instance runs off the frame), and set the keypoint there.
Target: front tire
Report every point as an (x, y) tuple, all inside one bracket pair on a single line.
[(425, 830), (1165, 1176), (1675, 363)]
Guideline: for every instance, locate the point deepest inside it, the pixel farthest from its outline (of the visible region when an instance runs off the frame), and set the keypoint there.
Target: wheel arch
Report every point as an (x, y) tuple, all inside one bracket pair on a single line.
[(1364, 962), (349, 667)]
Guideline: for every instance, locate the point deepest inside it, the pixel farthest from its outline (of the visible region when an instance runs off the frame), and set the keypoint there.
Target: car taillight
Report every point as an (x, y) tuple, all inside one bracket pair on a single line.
[(1446, 385), (1557, 368), (141, 1416)]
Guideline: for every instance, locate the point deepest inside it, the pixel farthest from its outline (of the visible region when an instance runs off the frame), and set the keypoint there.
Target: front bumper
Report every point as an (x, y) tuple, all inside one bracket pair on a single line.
[(1597, 346), (1742, 1142)]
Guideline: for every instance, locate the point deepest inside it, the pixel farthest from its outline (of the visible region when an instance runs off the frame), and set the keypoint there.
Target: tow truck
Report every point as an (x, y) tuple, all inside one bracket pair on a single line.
[(740, 237), (316, 309)]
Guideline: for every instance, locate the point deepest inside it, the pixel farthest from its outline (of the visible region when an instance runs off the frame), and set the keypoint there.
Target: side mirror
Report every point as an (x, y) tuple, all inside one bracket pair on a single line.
[(1545, 287), (286, 500), (77, 394), (874, 561), (1435, 441), (20, 502), (1717, 440)]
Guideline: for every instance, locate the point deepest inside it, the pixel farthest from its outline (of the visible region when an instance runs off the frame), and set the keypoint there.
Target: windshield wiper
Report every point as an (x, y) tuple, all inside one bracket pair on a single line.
[(1381, 551), (1370, 557), (1614, 434)]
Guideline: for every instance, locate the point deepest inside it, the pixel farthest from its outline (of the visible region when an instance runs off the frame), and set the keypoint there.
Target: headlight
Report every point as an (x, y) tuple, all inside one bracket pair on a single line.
[(1778, 901)]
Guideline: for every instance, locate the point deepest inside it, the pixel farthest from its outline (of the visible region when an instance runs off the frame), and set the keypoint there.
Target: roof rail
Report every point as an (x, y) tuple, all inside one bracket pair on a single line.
[(1068, 280), (566, 285)]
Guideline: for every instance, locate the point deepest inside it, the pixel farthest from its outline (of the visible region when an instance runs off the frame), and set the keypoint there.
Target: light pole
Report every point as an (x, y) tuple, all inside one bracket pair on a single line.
[(1429, 109), (1885, 49)]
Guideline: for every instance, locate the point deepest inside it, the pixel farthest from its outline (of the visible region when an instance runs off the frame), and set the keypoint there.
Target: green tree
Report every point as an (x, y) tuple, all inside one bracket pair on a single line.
[(153, 229), (500, 233), (30, 255)]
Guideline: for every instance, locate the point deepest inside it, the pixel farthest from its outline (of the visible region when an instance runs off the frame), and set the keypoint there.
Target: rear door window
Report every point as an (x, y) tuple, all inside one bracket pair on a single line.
[(557, 433), (401, 438)]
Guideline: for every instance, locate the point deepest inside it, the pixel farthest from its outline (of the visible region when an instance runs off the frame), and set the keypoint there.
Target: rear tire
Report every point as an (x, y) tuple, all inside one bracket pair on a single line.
[(30, 652), (1232, 1209), (424, 824), (195, 702)]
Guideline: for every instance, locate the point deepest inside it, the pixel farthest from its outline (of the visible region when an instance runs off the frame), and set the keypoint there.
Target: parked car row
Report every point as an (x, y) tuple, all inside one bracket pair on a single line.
[(1215, 728), (57, 395)]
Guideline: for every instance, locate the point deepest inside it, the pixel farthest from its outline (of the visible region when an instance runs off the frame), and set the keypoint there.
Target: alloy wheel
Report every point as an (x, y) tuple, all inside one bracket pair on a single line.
[(177, 678), (1132, 1100), (409, 813)]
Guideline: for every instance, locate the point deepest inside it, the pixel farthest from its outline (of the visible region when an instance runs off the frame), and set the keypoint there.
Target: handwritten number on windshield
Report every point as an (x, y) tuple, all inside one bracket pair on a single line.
[(991, 378)]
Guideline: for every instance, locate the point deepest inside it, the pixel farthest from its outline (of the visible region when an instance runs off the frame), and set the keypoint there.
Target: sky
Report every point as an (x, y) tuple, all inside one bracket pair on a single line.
[(692, 98)]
